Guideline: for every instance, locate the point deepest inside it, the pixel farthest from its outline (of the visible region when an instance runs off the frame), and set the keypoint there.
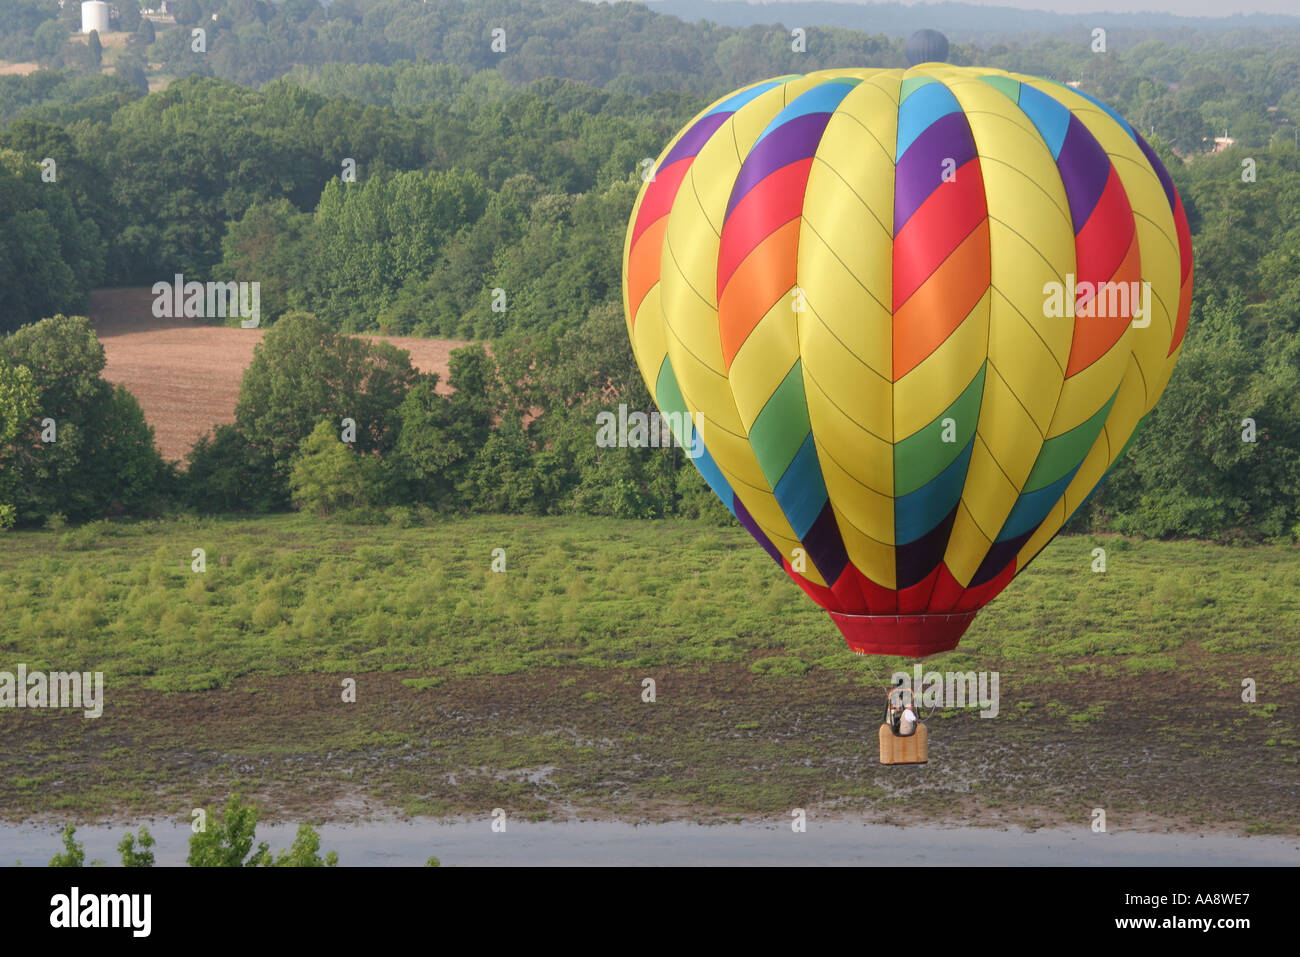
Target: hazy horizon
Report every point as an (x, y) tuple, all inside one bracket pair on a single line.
[(1213, 9)]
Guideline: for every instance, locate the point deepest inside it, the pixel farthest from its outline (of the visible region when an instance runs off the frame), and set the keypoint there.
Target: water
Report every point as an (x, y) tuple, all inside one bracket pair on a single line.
[(473, 843)]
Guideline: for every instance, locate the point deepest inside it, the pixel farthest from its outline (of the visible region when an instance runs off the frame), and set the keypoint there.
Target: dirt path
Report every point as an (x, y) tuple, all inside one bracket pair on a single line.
[(186, 374), (717, 745)]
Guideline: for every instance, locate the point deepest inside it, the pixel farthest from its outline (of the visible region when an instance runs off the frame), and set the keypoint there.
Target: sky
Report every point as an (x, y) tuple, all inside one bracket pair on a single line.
[(1187, 8)]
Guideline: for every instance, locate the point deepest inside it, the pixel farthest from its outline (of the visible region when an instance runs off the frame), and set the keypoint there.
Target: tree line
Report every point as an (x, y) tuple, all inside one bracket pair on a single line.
[(525, 193), (483, 210), (1188, 85), (334, 424)]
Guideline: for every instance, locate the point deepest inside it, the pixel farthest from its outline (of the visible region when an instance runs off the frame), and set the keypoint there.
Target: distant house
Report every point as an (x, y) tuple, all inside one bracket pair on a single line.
[(1221, 143)]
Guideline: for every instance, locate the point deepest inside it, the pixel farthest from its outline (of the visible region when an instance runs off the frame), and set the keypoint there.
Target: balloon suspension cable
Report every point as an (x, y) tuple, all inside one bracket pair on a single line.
[(875, 673), (926, 717), (916, 698)]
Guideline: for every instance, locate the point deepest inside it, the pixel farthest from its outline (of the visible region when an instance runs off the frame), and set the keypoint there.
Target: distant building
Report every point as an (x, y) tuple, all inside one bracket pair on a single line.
[(1221, 143), (94, 17)]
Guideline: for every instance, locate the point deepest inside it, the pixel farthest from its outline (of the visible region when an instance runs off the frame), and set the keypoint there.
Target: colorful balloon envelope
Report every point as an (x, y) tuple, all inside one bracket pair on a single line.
[(916, 315)]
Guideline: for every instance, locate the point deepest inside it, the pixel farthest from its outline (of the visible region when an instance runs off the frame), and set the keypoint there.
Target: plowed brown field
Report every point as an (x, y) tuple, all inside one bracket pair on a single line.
[(186, 373)]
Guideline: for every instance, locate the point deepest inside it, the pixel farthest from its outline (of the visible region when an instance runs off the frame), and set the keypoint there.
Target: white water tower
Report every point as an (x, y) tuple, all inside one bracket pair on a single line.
[(94, 16)]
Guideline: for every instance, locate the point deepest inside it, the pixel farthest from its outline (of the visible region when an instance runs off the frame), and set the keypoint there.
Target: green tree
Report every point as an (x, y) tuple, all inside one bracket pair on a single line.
[(187, 12), (211, 152), (229, 843), (127, 847), (226, 474), (327, 475), (268, 242), (50, 38), (372, 237), (49, 258), (18, 403), (296, 11), (83, 179), (74, 852), (442, 437), (129, 17), (305, 851), (503, 477), (131, 68), (1188, 471), (303, 373), (96, 48), (86, 449)]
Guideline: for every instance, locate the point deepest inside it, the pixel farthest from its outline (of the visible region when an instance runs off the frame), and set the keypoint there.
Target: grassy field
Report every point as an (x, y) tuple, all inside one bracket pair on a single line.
[(523, 689)]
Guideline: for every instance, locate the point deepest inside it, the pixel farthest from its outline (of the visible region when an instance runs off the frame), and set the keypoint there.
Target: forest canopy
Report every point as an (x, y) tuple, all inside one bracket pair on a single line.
[(379, 167)]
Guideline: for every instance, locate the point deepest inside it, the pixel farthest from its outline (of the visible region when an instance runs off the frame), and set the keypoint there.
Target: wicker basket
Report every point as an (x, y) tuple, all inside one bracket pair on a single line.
[(912, 749)]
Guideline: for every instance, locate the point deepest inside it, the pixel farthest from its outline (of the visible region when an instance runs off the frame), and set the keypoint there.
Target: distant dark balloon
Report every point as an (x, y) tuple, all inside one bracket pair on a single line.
[(927, 46)]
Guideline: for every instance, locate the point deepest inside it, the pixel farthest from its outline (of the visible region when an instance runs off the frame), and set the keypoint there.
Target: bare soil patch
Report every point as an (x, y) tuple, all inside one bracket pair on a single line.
[(186, 373), (720, 744)]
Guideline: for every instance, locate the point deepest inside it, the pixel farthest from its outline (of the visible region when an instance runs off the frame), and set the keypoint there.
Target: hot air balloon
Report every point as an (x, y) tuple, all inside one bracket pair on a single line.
[(926, 46), (916, 315)]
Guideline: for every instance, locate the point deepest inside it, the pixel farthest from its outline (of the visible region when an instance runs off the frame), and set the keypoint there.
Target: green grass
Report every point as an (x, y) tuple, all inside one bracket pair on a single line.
[(289, 594), (469, 681)]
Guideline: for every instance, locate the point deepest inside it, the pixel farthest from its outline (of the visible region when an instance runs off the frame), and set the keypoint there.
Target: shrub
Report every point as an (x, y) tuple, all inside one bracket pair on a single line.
[(127, 848), (226, 474), (230, 842), (305, 851), (74, 853), (327, 475), (266, 615)]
